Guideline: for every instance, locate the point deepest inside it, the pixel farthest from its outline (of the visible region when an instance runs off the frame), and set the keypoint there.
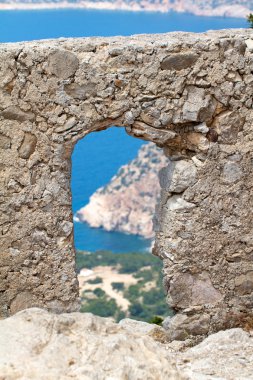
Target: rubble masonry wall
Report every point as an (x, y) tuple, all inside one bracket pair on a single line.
[(190, 94)]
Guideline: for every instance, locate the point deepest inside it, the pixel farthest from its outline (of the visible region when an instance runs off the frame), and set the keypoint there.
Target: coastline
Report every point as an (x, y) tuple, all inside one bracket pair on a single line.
[(236, 11)]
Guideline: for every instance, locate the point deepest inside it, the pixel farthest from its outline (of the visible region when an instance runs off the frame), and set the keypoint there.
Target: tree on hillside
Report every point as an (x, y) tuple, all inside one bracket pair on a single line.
[(250, 20)]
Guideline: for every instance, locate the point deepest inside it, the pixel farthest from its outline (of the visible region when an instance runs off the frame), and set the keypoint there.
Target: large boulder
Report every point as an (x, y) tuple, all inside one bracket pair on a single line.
[(37, 345), (226, 355)]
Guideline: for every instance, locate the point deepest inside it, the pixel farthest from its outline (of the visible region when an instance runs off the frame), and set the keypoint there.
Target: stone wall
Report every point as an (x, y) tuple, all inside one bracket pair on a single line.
[(188, 93)]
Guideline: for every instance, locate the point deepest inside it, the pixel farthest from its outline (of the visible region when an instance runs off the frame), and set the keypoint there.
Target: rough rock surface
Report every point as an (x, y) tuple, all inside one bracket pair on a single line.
[(37, 345), (227, 355), (127, 203), (190, 94)]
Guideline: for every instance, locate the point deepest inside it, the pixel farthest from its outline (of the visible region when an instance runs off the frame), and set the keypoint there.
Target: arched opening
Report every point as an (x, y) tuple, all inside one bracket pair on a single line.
[(115, 188)]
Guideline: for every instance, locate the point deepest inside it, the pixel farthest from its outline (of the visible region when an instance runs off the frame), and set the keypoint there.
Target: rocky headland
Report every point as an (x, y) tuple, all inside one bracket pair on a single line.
[(223, 8), (127, 203), (35, 344)]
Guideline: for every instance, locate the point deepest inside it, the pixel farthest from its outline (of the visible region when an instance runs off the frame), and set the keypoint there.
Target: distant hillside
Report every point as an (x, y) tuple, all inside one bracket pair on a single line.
[(227, 8), (127, 202), (122, 285)]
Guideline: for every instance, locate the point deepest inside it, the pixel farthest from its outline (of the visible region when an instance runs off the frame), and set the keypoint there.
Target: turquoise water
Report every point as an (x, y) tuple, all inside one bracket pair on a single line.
[(39, 24), (104, 152)]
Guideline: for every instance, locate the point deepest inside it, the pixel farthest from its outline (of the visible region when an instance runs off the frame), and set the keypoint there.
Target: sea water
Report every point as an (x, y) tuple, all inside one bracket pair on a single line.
[(95, 160), (98, 156), (40, 24)]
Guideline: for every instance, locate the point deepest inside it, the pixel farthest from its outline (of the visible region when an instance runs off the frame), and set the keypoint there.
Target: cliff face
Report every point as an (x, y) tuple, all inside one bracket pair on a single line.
[(127, 203), (228, 8)]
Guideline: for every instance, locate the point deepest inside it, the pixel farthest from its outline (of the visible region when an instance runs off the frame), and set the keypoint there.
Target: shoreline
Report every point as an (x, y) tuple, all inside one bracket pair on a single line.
[(222, 11)]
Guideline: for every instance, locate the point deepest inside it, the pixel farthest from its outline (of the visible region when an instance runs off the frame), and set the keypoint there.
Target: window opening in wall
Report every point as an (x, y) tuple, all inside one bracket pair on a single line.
[(114, 190)]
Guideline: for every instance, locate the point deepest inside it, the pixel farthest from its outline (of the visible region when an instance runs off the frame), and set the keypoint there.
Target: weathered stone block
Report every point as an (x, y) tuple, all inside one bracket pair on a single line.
[(178, 176), (81, 92), (193, 290), (63, 63), (199, 106), (182, 326), (28, 145), (5, 142), (244, 283), (228, 124), (179, 62), (15, 113), (232, 172)]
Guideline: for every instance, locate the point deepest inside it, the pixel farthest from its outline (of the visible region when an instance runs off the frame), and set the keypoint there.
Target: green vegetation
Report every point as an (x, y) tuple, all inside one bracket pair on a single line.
[(118, 286), (145, 274), (103, 306), (97, 280), (127, 262), (99, 292), (147, 303), (146, 297), (156, 320), (250, 20)]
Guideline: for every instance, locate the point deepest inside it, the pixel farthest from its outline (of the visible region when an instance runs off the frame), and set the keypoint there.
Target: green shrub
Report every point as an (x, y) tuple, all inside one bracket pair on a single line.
[(99, 292), (118, 286), (104, 307), (156, 320), (153, 296), (97, 280), (133, 292), (145, 274), (120, 315), (250, 20), (137, 309)]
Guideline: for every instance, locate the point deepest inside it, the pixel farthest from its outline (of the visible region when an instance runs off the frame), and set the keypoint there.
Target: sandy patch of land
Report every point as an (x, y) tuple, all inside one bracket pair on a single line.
[(108, 275)]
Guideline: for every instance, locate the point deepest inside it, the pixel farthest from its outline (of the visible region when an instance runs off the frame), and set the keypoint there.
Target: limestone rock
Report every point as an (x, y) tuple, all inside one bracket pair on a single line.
[(232, 172), (15, 113), (177, 176), (196, 290), (132, 325), (37, 345), (177, 203), (228, 124), (178, 61), (198, 106), (202, 128), (63, 63), (182, 326), (28, 145), (226, 355), (244, 283), (150, 133), (5, 142), (249, 44), (80, 92)]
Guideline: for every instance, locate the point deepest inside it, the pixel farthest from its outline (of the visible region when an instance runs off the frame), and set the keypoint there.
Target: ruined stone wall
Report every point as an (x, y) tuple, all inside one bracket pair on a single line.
[(188, 93)]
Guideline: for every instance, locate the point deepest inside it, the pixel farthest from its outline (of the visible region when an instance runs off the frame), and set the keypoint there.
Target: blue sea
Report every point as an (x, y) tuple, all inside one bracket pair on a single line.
[(101, 154)]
